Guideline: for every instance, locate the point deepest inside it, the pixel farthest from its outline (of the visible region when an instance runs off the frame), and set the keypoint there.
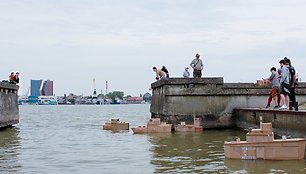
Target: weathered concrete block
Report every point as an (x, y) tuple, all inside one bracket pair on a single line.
[(195, 127), (184, 128), (155, 121), (115, 124), (153, 126), (163, 127), (180, 99), (289, 123), (260, 145), (9, 109)]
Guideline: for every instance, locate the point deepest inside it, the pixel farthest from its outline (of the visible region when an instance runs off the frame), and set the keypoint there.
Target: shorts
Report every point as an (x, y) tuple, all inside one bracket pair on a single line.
[(197, 73), (285, 88)]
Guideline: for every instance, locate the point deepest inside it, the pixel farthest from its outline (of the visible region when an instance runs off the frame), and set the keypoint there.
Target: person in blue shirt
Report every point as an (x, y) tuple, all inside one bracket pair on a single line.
[(284, 84)]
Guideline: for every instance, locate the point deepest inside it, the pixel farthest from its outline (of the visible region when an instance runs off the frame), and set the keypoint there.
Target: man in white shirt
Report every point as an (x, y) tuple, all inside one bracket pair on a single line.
[(197, 66)]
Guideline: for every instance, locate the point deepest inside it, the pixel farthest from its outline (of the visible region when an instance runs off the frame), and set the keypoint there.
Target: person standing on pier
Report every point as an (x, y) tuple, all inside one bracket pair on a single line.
[(284, 84), (274, 92), (197, 66), (292, 79)]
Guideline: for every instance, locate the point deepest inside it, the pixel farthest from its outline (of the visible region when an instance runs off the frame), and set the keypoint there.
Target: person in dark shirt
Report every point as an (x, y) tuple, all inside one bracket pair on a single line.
[(16, 78), (165, 70), (292, 80)]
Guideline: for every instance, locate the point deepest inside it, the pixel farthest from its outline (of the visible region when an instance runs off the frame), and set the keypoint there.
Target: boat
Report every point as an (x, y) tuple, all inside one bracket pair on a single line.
[(260, 144), (47, 100), (154, 125), (115, 124)]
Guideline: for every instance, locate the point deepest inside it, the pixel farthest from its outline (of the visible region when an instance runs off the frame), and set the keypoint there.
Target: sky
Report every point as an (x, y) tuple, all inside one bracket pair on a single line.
[(72, 42)]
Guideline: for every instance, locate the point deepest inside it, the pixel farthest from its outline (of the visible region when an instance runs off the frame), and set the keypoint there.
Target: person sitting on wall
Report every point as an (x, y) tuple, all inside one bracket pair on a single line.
[(16, 78), (186, 73), (11, 78)]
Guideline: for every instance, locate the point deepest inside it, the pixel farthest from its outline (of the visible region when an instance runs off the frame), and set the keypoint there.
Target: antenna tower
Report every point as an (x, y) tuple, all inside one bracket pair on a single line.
[(94, 88), (106, 87)]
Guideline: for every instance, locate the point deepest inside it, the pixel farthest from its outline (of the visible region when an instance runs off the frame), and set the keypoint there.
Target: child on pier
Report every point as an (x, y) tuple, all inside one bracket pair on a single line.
[(274, 92)]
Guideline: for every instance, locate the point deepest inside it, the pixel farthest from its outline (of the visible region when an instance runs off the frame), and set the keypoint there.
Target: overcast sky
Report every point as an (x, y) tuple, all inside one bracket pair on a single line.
[(119, 41)]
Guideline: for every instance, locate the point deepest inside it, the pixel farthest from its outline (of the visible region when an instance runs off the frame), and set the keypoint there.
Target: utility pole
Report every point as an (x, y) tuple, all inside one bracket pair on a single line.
[(94, 89), (106, 87)]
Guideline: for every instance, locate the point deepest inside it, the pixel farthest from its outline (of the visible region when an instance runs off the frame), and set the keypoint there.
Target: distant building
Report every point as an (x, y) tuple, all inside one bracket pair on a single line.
[(47, 88), (41, 88), (35, 88), (134, 100)]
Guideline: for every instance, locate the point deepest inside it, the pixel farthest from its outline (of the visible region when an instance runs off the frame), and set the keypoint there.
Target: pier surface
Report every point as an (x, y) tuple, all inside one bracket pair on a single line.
[(9, 110)]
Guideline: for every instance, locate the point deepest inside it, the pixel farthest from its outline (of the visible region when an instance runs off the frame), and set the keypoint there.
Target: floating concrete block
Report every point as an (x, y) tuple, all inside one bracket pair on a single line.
[(257, 138), (115, 124), (196, 127), (184, 128), (154, 121), (153, 126), (260, 144), (159, 128)]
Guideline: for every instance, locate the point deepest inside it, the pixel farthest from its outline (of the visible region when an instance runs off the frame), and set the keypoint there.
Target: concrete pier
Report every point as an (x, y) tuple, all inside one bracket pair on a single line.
[(178, 100), (288, 123), (9, 111)]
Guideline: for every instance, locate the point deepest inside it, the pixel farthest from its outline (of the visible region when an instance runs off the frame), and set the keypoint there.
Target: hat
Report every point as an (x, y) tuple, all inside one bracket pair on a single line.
[(197, 55), (186, 68)]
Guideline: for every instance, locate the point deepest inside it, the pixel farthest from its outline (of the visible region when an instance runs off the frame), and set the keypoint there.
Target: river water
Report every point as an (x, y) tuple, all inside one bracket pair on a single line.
[(69, 139)]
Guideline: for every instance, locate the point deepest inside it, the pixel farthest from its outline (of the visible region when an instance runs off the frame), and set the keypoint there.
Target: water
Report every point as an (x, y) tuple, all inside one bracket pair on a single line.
[(70, 139)]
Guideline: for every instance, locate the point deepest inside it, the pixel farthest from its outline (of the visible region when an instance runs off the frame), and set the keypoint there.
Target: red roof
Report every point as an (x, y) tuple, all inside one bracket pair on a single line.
[(135, 99)]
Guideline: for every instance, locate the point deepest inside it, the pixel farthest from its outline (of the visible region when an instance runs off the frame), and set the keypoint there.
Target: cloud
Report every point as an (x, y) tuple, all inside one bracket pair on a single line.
[(89, 38)]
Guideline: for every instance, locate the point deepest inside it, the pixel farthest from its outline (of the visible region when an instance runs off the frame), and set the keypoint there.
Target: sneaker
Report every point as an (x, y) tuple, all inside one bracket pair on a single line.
[(267, 107), (283, 107), (276, 107)]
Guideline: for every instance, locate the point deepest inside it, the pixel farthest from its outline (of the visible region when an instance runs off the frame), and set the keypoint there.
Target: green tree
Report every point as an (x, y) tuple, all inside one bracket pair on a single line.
[(72, 101), (115, 94)]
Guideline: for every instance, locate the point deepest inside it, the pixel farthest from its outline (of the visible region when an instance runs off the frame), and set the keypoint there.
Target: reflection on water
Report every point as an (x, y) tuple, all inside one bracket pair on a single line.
[(9, 147), (191, 152), (266, 166), (204, 153)]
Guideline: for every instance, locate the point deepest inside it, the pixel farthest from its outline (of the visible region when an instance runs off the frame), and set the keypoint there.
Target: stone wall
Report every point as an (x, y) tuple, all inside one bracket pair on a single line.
[(180, 99), (9, 111)]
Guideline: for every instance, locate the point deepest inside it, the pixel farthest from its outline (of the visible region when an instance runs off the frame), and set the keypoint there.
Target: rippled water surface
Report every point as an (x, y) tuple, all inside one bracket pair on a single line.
[(70, 139)]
